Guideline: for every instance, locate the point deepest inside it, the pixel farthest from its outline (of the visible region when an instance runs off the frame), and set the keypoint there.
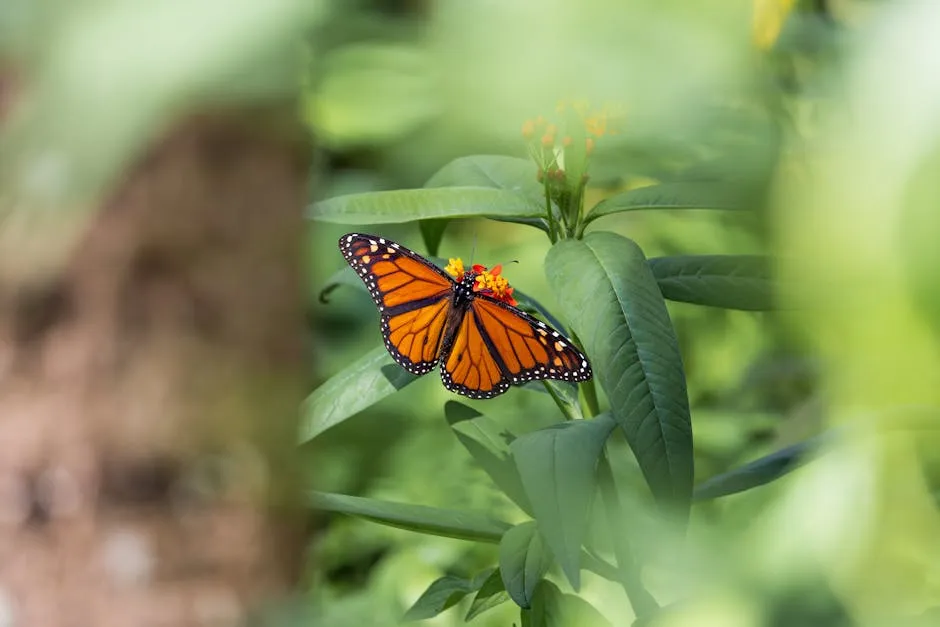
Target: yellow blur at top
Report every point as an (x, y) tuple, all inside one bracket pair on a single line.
[(769, 16)]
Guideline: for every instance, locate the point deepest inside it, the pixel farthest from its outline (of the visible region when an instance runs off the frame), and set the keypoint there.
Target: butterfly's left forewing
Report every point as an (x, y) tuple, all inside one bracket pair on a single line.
[(412, 294)]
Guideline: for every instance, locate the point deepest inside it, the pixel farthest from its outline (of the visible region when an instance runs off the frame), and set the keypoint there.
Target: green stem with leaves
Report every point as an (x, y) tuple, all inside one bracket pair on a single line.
[(550, 215), (644, 605), (589, 393), (627, 569)]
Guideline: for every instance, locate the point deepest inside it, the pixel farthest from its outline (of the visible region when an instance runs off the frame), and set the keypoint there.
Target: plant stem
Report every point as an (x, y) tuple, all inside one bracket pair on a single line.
[(598, 566), (552, 227), (565, 407), (587, 388), (590, 398), (642, 601)]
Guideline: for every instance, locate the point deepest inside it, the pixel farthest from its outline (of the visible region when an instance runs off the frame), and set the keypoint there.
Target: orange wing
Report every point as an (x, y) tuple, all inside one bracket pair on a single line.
[(470, 367), (412, 294), (498, 345)]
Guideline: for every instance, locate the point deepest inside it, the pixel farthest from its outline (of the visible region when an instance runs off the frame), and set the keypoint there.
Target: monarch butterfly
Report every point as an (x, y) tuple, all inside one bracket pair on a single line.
[(482, 343)]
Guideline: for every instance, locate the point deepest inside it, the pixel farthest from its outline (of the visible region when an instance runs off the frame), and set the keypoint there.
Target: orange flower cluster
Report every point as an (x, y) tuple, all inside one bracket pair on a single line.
[(488, 282), (491, 283), (596, 124)]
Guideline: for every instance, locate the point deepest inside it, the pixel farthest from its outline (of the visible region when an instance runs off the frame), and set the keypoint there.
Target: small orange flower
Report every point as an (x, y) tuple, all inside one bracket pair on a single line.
[(589, 145), (548, 140), (455, 268), (528, 129), (596, 125)]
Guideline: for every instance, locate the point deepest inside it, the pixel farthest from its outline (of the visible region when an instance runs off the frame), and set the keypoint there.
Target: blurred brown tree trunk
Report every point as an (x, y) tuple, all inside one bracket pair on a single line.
[(148, 395)]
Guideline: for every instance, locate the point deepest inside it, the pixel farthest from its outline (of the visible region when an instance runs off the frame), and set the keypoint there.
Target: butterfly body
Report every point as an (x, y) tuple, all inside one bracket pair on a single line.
[(428, 318)]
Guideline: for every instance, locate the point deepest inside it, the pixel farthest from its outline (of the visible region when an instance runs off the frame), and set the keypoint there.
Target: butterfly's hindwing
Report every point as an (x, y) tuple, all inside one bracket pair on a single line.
[(530, 349)]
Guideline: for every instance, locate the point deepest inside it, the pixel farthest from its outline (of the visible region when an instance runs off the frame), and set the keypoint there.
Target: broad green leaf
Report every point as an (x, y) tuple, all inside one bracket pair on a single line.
[(728, 281), (490, 594), (609, 294), (365, 382), (443, 594), (523, 562), (488, 443), (432, 232), (552, 608), (429, 520), (558, 469), (496, 171), (539, 223), (680, 195), (406, 205), (758, 472)]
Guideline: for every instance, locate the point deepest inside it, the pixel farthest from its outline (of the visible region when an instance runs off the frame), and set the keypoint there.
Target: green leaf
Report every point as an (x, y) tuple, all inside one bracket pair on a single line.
[(679, 195), (758, 472), (608, 292), (440, 595), (430, 520), (523, 562), (551, 608), (432, 232), (365, 382), (496, 171), (558, 470), (488, 443), (728, 281), (491, 594), (538, 223), (406, 205)]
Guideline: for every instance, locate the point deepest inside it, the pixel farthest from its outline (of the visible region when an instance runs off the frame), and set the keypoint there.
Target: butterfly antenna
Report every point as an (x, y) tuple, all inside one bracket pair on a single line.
[(473, 248)]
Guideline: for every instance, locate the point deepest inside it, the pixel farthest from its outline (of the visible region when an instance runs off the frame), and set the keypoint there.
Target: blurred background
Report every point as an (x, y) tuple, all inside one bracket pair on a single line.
[(819, 117)]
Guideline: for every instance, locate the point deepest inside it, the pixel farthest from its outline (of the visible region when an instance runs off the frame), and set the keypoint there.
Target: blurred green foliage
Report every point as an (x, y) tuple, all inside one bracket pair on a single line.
[(805, 142), (707, 116)]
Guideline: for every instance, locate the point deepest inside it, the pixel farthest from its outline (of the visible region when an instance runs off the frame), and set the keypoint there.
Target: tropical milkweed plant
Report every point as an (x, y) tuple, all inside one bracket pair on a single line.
[(612, 301)]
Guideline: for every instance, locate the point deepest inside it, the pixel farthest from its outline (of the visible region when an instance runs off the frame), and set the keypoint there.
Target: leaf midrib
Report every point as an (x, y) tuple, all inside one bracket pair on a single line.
[(646, 385)]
